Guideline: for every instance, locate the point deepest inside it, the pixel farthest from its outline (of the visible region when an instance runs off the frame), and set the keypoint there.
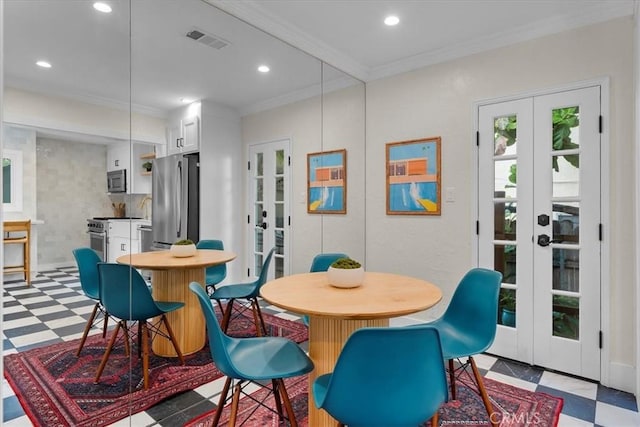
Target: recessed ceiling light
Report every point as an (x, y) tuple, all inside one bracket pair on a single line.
[(102, 7), (43, 64), (263, 69), (186, 100), (391, 20)]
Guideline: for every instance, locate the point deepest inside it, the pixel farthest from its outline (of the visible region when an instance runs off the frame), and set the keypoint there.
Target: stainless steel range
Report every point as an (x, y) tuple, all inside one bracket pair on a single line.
[(97, 228)]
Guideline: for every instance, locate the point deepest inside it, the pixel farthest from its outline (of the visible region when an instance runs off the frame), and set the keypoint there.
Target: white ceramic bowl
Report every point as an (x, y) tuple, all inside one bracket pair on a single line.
[(345, 277), (183, 251)]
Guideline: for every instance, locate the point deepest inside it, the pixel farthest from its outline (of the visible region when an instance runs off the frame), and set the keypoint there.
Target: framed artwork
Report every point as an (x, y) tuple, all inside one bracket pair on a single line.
[(327, 182), (413, 177)]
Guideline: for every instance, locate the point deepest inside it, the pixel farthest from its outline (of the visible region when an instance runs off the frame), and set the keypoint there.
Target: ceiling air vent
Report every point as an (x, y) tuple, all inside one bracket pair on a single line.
[(207, 39)]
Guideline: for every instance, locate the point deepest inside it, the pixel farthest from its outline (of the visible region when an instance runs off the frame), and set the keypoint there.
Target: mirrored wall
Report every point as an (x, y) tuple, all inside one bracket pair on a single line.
[(123, 85)]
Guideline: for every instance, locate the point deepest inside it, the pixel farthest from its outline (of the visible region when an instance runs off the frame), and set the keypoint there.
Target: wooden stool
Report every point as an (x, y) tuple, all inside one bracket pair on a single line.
[(15, 227)]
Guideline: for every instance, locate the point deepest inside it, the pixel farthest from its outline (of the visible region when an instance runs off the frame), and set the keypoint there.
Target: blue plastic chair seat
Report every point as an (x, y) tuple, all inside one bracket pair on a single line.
[(256, 360), (235, 291), (385, 377)]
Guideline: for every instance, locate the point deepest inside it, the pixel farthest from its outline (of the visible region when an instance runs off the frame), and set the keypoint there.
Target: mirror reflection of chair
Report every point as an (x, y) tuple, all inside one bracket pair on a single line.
[(125, 295), (87, 260), (216, 273), (24, 228), (385, 377), (245, 291), (257, 360), (468, 327), (322, 262)]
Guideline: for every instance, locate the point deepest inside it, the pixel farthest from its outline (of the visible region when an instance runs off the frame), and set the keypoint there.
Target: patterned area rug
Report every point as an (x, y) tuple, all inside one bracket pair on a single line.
[(513, 407), (56, 388)]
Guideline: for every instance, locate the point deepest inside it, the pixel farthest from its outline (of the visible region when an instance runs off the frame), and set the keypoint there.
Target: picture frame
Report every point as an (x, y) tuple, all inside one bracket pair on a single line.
[(327, 182), (413, 172)]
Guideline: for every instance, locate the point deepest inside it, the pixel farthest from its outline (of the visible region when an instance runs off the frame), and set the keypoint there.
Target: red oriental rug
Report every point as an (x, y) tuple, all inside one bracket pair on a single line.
[(513, 407), (56, 388)]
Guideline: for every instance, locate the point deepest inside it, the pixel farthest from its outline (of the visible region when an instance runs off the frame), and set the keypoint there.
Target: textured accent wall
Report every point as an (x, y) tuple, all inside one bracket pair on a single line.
[(71, 179)]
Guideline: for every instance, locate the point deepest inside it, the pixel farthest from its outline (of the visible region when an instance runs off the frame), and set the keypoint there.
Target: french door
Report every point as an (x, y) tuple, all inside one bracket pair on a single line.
[(539, 224), (268, 218)]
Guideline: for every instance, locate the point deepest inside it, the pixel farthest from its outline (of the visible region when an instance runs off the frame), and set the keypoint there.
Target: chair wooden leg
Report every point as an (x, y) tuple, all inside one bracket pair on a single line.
[(262, 324), (287, 403), (221, 402), (139, 339), (452, 379), (103, 363), (145, 353), (483, 392), (87, 328), (278, 401), (255, 309), (125, 328), (226, 316), (172, 337), (106, 322), (434, 420), (234, 404)]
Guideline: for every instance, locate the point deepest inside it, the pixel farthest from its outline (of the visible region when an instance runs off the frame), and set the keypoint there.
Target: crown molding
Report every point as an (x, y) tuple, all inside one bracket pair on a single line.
[(86, 98), (521, 34), (255, 15)]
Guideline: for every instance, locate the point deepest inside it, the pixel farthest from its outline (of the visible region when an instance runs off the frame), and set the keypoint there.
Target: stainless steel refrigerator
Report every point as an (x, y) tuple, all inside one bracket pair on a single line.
[(175, 199)]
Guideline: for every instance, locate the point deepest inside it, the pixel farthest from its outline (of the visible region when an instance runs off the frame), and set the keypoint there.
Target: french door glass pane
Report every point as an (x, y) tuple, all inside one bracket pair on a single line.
[(566, 128), (507, 312), (566, 176), (279, 215), (505, 133), (279, 162), (566, 269), (505, 174), (259, 245), (505, 262), (505, 220), (259, 190), (566, 317), (279, 189), (260, 164), (566, 222)]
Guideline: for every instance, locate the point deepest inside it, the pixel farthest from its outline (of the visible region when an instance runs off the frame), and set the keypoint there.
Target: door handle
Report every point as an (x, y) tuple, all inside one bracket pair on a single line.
[(544, 240), (263, 225)]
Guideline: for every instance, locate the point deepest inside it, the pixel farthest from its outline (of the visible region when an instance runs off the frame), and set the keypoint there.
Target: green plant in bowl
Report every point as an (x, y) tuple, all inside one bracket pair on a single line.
[(346, 263), (184, 242)]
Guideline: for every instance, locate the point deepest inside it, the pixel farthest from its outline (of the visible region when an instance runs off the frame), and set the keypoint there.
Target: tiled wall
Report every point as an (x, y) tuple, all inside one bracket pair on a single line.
[(71, 181)]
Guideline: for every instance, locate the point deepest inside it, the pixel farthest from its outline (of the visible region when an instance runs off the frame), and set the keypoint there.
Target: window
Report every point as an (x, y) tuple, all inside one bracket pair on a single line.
[(12, 180)]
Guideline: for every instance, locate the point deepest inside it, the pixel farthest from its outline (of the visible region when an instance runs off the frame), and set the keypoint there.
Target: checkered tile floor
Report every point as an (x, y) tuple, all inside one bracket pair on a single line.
[(54, 309)]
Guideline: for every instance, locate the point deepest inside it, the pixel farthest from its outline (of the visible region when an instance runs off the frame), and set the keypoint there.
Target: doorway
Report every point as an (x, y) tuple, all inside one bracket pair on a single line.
[(268, 220), (539, 224)]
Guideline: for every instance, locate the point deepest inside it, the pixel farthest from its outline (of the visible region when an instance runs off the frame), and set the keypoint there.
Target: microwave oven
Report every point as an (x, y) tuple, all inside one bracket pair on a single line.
[(117, 181)]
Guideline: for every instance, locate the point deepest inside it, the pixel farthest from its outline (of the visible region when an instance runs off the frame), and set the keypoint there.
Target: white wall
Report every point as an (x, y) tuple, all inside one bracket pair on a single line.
[(222, 213), (438, 100), (51, 112)]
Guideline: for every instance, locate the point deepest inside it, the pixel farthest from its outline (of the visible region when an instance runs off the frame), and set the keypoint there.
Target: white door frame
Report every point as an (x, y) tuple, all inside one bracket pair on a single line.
[(249, 206), (605, 155)]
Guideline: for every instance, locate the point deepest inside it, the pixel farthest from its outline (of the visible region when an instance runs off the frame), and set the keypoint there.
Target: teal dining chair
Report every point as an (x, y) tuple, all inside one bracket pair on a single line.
[(125, 295), (263, 361), (385, 377), (87, 260), (245, 291), (216, 273), (468, 327), (322, 262)]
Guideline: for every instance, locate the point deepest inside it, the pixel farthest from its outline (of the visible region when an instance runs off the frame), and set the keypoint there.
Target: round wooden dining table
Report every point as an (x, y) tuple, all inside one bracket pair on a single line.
[(170, 281), (334, 313)]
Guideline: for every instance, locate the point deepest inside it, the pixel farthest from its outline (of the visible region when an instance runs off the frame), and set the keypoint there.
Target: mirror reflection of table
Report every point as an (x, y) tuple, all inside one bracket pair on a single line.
[(170, 281), (334, 313)]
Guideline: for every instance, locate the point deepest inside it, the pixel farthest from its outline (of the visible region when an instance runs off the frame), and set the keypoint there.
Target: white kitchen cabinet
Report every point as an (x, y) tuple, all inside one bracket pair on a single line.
[(118, 156), (183, 135), (131, 157), (123, 238)]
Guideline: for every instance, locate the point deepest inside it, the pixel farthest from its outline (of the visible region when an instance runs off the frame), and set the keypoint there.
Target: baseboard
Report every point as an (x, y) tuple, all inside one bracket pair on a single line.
[(622, 377)]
